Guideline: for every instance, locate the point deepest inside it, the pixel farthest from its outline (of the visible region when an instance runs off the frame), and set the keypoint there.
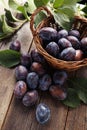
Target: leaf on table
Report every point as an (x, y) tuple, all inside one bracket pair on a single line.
[(80, 86), (72, 99), (82, 93), (9, 58)]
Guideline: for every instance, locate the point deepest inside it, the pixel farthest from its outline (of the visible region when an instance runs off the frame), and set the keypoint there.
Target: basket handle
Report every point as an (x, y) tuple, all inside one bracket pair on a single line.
[(33, 29)]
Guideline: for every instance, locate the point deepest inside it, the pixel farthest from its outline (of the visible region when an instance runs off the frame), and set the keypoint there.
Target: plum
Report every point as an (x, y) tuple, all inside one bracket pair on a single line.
[(64, 43), (30, 98), (42, 113), (84, 45), (62, 33), (53, 49), (48, 34), (25, 60), (38, 68), (21, 72), (68, 54), (75, 33), (15, 45), (79, 55), (60, 77), (74, 41), (32, 80), (58, 92), (20, 89), (44, 82), (37, 57)]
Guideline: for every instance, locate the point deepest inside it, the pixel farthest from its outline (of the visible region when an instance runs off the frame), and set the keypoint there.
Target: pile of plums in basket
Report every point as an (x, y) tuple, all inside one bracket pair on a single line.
[(34, 75), (63, 44)]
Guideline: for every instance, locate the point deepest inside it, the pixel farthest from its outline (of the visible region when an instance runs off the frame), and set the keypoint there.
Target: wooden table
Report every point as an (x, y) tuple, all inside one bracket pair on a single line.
[(14, 116)]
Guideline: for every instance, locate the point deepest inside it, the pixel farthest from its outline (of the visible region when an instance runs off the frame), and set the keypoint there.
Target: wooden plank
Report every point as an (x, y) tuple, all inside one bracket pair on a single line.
[(77, 118), (58, 115), (7, 79), (19, 116)]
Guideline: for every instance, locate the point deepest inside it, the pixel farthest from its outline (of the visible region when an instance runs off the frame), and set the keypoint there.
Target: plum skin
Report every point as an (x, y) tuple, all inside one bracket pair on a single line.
[(64, 43), (48, 34), (32, 80), (68, 54), (58, 92), (60, 77), (53, 49), (38, 68), (42, 113), (15, 45), (21, 72), (44, 82), (30, 98), (62, 33), (20, 89)]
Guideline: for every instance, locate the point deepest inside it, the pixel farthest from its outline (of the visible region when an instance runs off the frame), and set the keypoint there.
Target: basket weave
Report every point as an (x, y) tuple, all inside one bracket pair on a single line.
[(80, 24)]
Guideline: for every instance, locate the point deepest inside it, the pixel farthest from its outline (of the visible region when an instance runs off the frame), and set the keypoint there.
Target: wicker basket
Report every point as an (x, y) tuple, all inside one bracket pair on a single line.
[(79, 24)]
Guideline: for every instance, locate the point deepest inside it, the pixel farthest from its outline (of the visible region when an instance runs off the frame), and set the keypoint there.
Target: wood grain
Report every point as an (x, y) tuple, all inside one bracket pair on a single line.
[(17, 117), (77, 118), (18, 114), (58, 114), (7, 79)]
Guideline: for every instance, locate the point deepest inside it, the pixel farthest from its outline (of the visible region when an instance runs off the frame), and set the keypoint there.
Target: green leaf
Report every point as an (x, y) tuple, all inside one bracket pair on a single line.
[(10, 16), (82, 93), (68, 10), (24, 12), (72, 99), (78, 82), (1, 23), (57, 3), (6, 29), (63, 20), (80, 85), (9, 58), (63, 12), (13, 4), (30, 6), (39, 3), (39, 18), (70, 2)]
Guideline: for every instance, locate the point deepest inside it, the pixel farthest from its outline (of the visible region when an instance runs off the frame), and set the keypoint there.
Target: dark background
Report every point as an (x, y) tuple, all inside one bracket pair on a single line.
[(83, 2)]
